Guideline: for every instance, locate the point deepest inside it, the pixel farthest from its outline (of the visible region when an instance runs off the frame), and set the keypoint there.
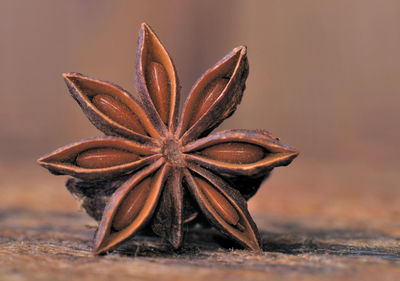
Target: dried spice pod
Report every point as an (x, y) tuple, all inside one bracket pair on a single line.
[(69, 159), (261, 150), (156, 169), (157, 81), (121, 219), (103, 101), (224, 207), (168, 219), (214, 97)]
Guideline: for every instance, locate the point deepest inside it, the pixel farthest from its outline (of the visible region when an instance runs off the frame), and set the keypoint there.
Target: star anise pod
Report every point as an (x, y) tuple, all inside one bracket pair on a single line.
[(171, 167)]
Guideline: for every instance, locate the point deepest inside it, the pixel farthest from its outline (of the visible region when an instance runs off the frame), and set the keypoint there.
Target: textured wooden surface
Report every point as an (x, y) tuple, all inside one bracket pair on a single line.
[(37, 245), (315, 226)]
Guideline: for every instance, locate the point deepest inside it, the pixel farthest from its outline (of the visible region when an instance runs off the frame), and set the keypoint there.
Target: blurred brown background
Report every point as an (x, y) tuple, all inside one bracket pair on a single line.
[(324, 77)]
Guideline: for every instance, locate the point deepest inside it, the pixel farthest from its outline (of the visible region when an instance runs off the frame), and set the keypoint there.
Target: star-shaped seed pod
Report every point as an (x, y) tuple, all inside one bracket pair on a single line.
[(167, 168)]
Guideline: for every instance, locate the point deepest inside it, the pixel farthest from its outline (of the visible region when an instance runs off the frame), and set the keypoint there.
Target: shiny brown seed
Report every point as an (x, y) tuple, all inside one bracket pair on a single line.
[(220, 204), (104, 157), (159, 89), (118, 112), (132, 204), (234, 152), (209, 96)]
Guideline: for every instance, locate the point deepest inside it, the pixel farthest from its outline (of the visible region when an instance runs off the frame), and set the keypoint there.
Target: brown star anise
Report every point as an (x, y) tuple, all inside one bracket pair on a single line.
[(173, 170)]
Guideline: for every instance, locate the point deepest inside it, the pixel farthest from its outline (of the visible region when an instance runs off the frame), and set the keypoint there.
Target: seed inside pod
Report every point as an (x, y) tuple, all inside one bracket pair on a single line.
[(220, 204), (159, 90), (234, 152), (104, 157), (209, 96), (131, 205), (118, 112)]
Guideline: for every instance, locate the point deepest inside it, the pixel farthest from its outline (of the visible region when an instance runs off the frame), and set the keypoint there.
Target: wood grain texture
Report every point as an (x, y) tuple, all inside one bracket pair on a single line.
[(38, 245), (314, 226)]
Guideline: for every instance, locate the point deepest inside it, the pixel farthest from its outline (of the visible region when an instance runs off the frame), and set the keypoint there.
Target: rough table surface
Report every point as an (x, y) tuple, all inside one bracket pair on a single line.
[(57, 246), (309, 233)]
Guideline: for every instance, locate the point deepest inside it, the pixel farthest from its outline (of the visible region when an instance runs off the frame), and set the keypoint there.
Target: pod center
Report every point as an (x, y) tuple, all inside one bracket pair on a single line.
[(172, 152)]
